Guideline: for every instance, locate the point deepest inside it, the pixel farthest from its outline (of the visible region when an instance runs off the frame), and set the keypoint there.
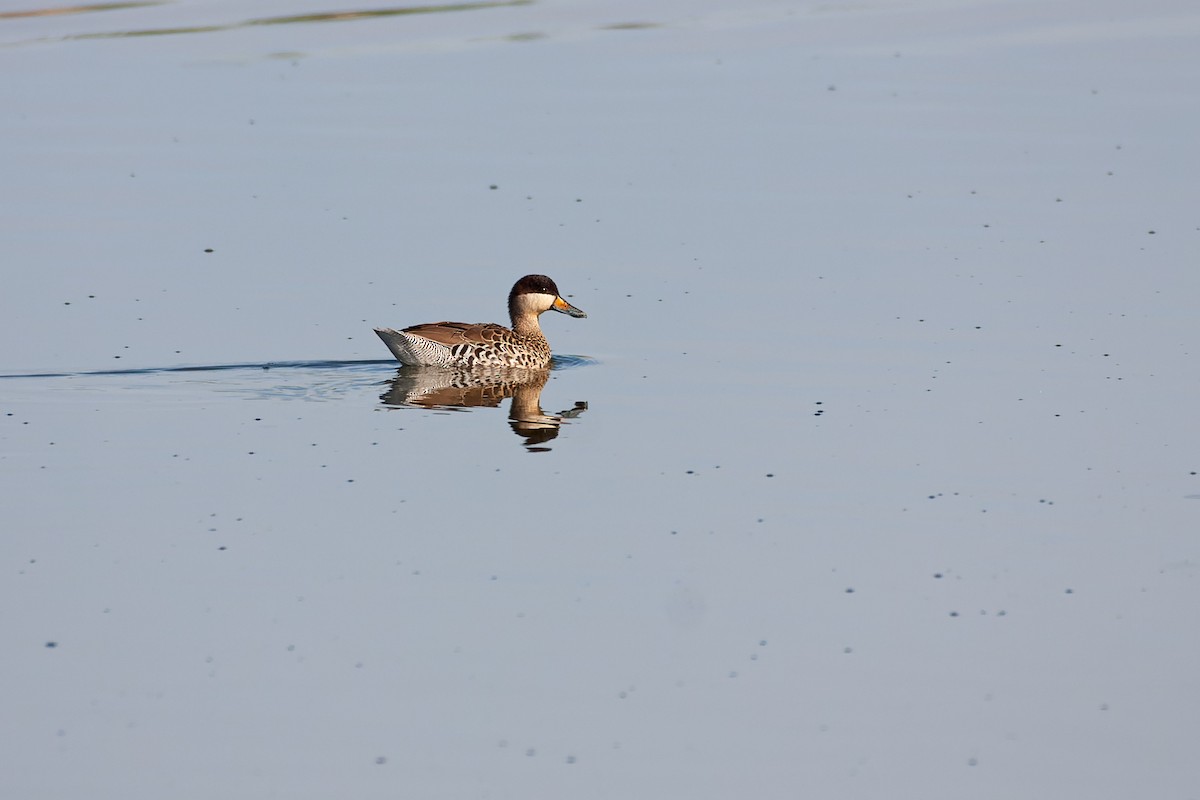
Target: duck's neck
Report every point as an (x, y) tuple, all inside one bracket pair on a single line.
[(527, 325)]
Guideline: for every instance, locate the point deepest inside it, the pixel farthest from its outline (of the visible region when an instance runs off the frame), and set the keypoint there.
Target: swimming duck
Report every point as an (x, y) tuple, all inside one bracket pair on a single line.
[(485, 344)]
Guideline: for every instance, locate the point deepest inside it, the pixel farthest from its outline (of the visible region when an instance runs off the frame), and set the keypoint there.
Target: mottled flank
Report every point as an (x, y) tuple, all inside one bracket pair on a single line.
[(458, 344), (485, 344)]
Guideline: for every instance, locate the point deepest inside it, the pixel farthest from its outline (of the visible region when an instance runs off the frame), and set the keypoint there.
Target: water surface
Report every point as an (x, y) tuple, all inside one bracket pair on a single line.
[(872, 471)]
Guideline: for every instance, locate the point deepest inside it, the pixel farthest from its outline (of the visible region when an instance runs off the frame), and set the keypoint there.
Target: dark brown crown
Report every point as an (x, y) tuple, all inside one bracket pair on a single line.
[(534, 284)]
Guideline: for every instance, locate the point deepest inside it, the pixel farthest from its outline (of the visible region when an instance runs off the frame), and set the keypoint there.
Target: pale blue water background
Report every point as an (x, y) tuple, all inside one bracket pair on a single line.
[(887, 482)]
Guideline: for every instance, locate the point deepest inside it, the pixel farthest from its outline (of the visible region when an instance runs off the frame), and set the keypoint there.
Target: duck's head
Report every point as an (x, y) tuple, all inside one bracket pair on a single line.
[(537, 294)]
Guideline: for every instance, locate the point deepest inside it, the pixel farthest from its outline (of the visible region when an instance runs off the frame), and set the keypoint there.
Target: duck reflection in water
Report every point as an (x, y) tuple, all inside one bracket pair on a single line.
[(443, 388)]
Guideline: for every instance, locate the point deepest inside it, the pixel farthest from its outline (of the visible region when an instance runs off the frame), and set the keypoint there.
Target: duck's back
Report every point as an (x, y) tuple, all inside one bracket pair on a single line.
[(452, 333)]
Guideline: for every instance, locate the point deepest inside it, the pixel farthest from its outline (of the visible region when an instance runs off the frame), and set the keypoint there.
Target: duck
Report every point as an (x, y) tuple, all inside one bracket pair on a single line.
[(486, 344)]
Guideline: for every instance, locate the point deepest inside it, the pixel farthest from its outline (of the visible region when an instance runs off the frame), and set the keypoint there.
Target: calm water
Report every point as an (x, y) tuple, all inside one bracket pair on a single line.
[(873, 470)]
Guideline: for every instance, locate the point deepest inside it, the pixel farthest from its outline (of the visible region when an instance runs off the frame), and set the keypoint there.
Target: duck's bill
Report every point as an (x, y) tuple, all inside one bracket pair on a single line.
[(567, 308)]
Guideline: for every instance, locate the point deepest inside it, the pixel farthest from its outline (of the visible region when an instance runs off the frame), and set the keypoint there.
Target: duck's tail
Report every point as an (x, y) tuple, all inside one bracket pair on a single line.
[(400, 345)]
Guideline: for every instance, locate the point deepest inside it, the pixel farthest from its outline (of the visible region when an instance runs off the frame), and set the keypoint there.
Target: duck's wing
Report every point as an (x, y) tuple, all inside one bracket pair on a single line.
[(453, 333)]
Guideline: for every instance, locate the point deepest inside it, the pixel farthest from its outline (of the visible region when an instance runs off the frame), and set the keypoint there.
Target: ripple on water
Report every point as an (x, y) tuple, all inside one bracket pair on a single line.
[(317, 381)]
